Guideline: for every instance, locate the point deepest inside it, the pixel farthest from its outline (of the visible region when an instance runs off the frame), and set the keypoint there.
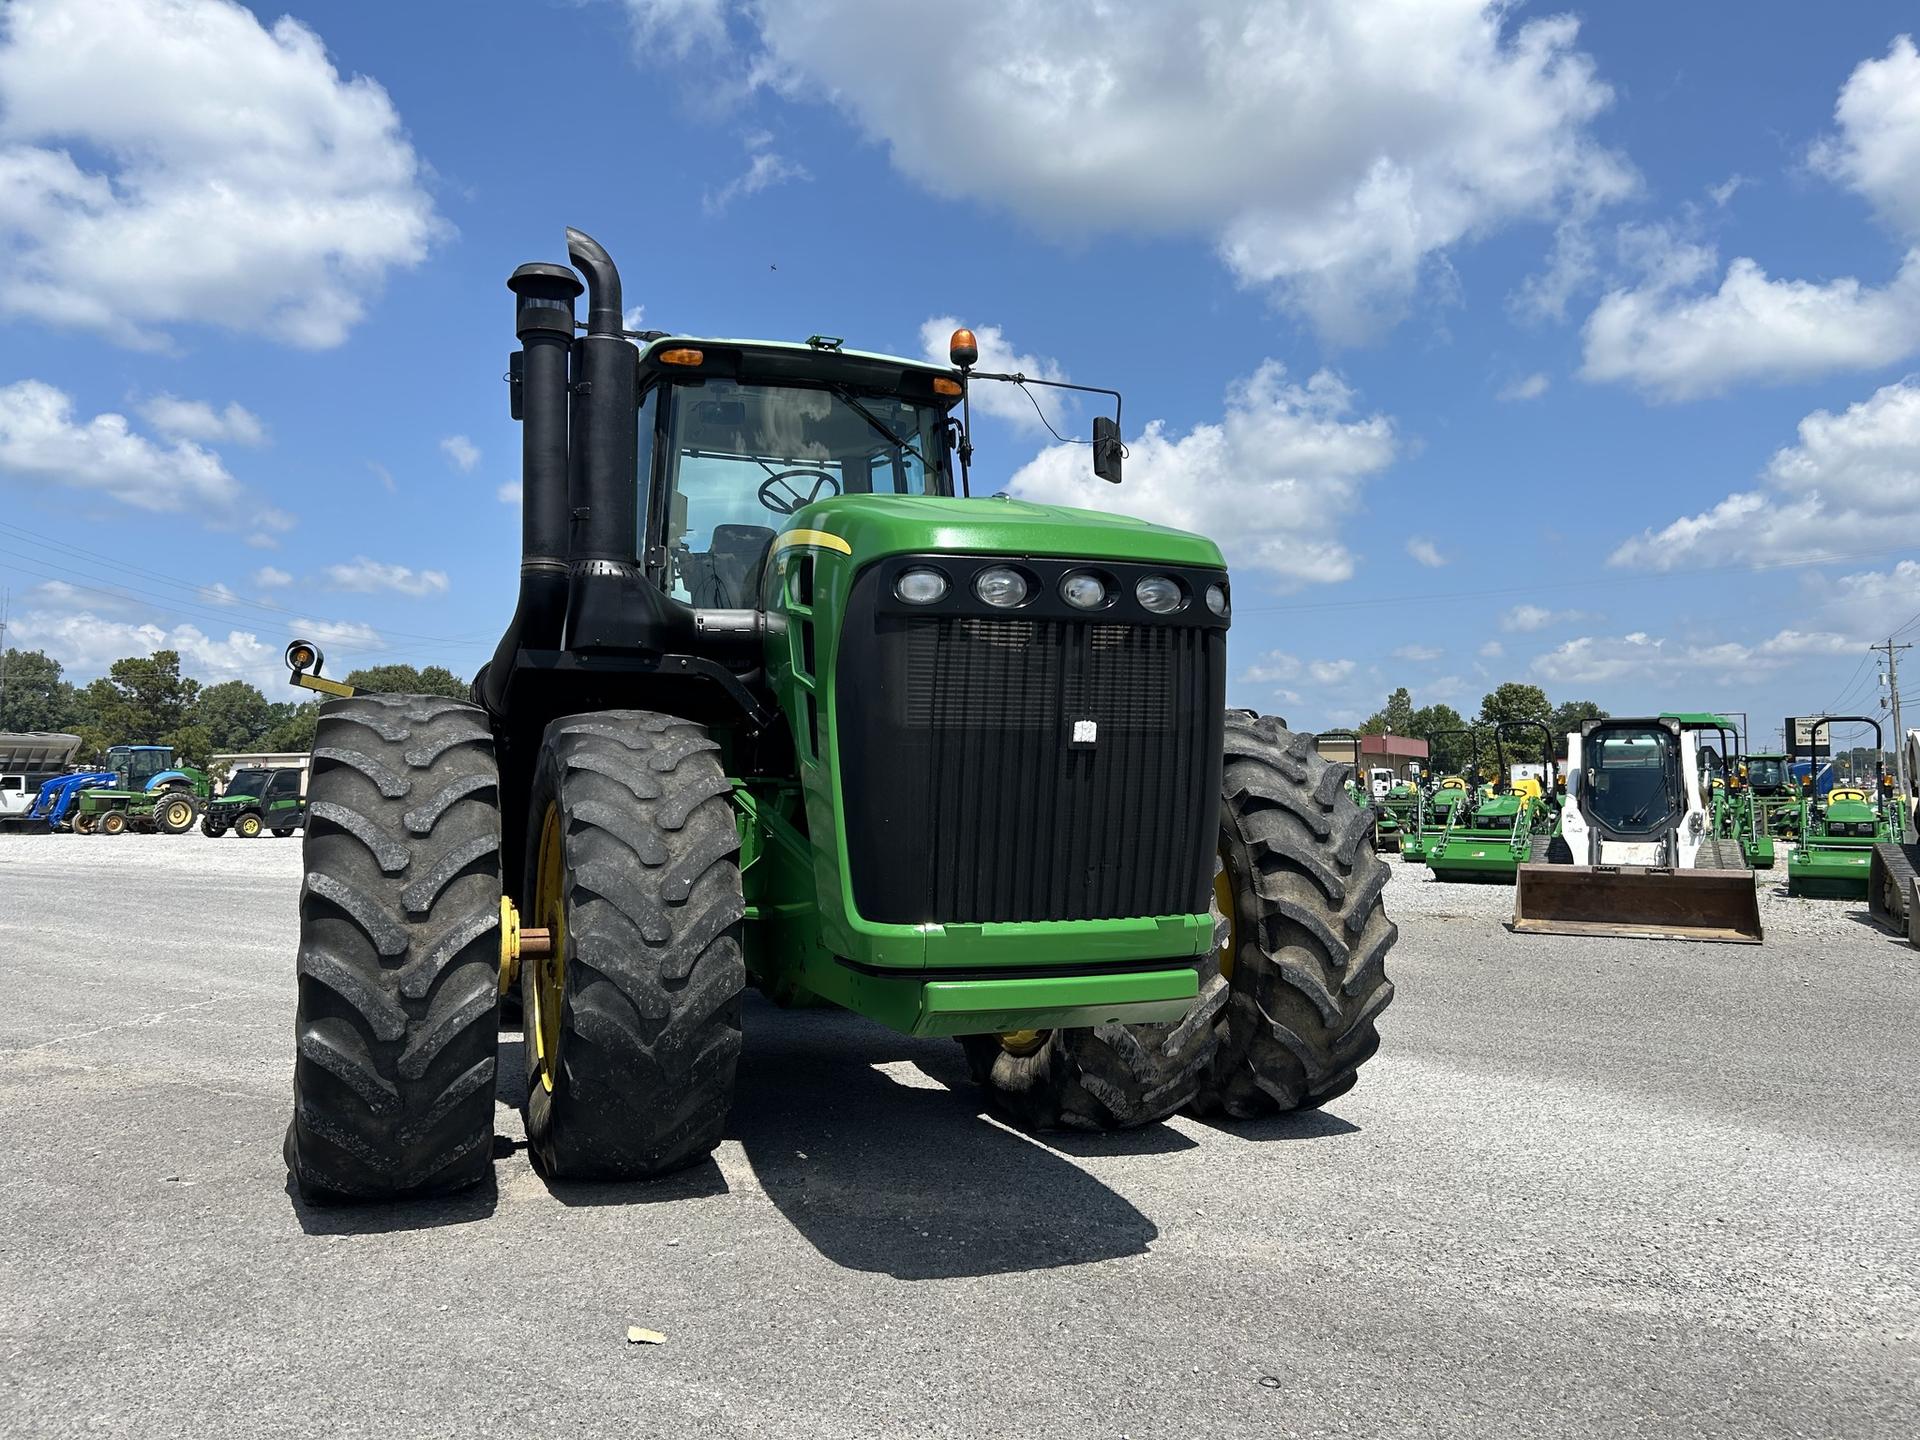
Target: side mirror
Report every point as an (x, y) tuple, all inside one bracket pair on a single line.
[(1107, 449)]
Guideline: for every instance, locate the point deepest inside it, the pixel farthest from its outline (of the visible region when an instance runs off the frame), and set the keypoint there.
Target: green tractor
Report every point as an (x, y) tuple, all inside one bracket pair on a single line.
[(258, 802), (1500, 827), (1733, 820), (149, 793), (1442, 798), (781, 706), (1771, 800), (1839, 831), (1396, 813)]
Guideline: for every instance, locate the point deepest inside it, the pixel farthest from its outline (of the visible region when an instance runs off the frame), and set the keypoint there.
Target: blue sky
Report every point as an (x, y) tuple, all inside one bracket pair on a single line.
[(1458, 327)]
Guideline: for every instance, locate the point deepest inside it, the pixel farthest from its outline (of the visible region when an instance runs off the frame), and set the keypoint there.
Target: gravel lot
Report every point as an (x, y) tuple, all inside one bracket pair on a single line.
[(1589, 1186)]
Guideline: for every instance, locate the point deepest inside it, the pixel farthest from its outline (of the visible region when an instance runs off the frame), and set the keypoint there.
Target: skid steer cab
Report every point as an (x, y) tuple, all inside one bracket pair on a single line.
[(783, 707), (1638, 855)]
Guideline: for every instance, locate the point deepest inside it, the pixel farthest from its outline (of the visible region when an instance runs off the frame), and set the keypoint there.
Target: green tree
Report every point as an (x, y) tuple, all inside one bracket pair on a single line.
[(139, 701), (192, 745), (234, 714), (1393, 718), (1449, 753), (36, 698), (292, 728), (1567, 717), (405, 680)]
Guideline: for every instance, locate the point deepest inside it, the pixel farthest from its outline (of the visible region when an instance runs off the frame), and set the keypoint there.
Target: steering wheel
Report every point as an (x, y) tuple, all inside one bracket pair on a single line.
[(780, 495)]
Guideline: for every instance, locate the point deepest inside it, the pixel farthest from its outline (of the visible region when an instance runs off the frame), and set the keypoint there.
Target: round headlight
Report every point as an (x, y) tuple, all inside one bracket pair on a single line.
[(1217, 600), (921, 587), (1002, 586), (1159, 593), (1083, 592)]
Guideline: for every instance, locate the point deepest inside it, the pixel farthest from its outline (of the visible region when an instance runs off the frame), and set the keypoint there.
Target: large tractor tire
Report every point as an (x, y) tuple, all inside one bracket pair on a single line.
[(1890, 885), (1720, 853), (1107, 1077), (399, 966), (175, 812), (1303, 934), (633, 1020)]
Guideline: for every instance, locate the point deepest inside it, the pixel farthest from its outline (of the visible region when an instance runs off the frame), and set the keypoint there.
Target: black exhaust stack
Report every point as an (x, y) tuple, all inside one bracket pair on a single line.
[(543, 319), (601, 484)]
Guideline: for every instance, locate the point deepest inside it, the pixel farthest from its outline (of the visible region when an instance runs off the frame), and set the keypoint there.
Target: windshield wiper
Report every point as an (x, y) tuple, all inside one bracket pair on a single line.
[(879, 425)]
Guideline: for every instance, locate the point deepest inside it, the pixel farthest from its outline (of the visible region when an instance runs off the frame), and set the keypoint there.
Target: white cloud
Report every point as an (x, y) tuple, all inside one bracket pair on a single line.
[(766, 167), (1597, 660), (1724, 192), (228, 173), (1272, 481), (1425, 552), (634, 317), (348, 636), (677, 27), (1675, 346), (1852, 477), (461, 451), (86, 643), (43, 441), (371, 576), (197, 420), (1527, 387), (267, 577), (1330, 672), (1355, 146), (993, 397), (1421, 654), (1524, 619), (1492, 650), (1869, 602), (1271, 669), (509, 492), (218, 593), (1876, 153)]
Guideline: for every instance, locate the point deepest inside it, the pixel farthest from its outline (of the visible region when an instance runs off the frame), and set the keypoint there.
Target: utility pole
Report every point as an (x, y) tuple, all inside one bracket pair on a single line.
[(1900, 776)]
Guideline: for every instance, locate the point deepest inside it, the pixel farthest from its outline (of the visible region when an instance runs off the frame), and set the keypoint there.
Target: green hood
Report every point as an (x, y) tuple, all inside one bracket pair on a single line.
[(876, 525)]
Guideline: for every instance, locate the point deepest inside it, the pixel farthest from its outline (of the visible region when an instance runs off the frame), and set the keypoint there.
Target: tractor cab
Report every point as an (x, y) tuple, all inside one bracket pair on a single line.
[(1767, 776), (135, 766)]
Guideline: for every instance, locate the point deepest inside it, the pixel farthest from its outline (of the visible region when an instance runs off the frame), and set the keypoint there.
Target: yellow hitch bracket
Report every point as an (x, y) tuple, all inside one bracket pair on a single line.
[(324, 685)]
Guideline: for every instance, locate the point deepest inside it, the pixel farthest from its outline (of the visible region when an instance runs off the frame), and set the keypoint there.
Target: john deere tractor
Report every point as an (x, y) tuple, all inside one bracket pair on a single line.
[(148, 792), (781, 706), (1492, 834), (1841, 830)]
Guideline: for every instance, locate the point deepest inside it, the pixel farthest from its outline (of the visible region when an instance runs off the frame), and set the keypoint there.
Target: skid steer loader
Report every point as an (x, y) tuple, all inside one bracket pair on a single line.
[(1637, 855), (782, 706)]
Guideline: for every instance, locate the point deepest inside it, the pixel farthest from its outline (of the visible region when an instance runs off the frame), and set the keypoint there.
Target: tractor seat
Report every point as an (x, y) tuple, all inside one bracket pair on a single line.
[(735, 562)]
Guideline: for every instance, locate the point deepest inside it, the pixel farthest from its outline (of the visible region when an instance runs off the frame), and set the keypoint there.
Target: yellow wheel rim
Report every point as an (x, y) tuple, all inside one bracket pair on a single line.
[(1223, 897), (550, 974), (178, 814), (1023, 1042)]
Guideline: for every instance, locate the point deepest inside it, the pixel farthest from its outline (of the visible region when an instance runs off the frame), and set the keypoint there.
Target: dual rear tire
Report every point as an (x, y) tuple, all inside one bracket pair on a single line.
[(633, 1024), (1289, 996)]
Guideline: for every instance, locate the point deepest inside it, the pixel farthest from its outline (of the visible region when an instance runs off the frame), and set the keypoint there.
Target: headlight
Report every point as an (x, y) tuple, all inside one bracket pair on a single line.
[(921, 587), (1160, 594), (1217, 600), (1002, 586), (1083, 592)]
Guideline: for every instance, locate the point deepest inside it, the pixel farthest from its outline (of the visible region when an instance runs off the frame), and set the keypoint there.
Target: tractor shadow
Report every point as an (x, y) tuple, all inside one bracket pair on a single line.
[(384, 1218), (897, 1171)]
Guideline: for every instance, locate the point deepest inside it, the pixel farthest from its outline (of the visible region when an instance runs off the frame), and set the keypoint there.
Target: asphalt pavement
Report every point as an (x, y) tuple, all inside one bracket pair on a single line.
[(1587, 1187)]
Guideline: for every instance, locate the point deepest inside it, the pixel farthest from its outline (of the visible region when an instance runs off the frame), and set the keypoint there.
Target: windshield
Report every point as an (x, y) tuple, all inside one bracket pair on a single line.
[(1766, 774), (247, 782), (738, 459), (1630, 780), (136, 767)]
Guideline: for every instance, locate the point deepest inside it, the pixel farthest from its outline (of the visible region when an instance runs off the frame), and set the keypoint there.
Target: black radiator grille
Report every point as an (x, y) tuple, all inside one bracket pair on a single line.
[(968, 798)]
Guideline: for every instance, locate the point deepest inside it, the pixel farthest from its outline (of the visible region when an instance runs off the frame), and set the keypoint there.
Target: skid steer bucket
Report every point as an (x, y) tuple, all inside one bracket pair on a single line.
[(1638, 901)]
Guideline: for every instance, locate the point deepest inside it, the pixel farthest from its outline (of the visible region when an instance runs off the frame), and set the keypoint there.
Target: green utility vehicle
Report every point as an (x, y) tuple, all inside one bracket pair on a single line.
[(149, 792), (781, 706), (1491, 836), (257, 802), (1839, 831)]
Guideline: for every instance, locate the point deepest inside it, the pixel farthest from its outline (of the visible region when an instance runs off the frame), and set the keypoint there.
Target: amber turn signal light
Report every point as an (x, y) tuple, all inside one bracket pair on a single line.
[(683, 355)]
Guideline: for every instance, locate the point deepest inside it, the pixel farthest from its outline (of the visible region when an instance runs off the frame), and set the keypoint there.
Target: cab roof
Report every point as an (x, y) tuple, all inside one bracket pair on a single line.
[(791, 361)]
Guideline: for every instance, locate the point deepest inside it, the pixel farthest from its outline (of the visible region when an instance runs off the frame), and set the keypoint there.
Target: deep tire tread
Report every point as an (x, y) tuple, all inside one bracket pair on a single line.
[(399, 953)]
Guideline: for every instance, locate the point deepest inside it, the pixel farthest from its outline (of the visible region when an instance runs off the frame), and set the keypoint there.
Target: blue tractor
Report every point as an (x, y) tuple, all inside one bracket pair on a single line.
[(53, 805)]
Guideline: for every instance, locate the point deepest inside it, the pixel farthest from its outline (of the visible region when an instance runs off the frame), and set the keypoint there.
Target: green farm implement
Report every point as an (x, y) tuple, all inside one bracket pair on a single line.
[(1840, 831), (1495, 832), (782, 706), (1439, 801)]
